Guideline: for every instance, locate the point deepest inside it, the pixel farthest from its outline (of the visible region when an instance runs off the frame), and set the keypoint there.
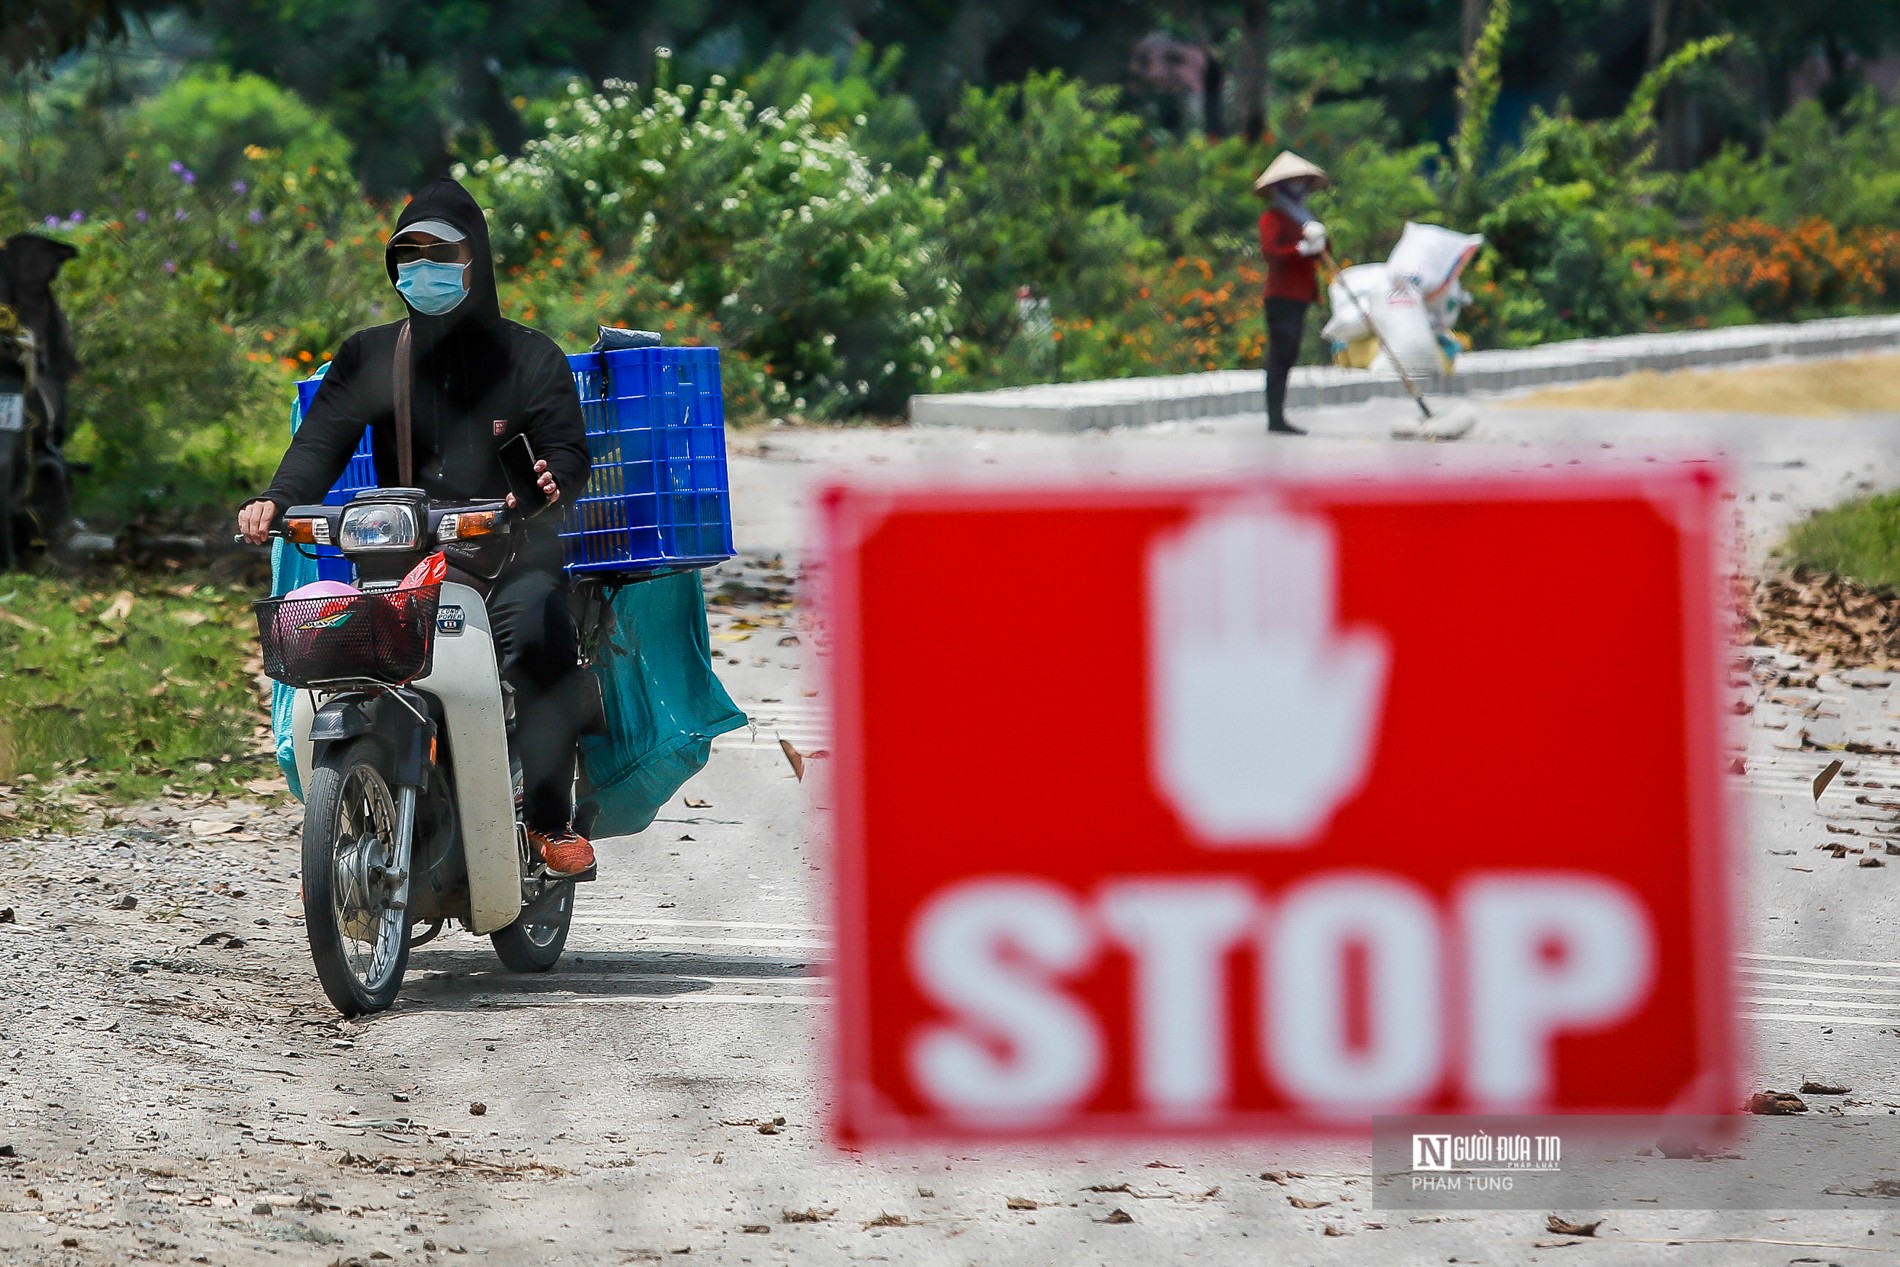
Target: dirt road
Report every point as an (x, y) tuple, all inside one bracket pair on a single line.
[(174, 1089)]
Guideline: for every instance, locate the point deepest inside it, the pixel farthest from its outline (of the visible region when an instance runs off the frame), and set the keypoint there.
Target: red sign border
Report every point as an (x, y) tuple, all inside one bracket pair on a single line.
[(1691, 491)]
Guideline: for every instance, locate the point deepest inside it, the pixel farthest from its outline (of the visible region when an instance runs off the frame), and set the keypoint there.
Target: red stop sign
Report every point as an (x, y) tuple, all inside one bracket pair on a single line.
[(1264, 805)]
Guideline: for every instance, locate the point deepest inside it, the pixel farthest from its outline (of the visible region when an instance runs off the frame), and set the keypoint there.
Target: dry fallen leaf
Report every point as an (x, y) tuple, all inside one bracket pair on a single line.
[(1811, 1087), (694, 802), (792, 755), (1024, 1203), (1280, 1176), (205, 827), (1826, 777), (811, 1214), (17, 619), (1117, 1216), (1564, 1227), (1303, 1203), (888, 1220), (121, 607), (1775, 1103)]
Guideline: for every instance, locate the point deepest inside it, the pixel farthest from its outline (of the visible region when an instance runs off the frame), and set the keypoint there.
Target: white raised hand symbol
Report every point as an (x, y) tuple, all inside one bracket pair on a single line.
[(1262, 715)]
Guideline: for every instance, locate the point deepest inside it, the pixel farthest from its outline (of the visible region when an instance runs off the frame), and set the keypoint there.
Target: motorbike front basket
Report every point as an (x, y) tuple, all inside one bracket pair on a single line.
[(386, 637)]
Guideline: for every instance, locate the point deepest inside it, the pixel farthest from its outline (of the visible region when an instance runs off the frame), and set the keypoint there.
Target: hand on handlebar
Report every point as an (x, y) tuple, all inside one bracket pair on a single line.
[(545, 479), (254, 521)]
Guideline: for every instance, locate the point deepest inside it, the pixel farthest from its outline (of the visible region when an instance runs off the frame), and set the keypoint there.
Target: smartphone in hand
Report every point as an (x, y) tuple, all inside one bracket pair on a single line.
[(517, 464)]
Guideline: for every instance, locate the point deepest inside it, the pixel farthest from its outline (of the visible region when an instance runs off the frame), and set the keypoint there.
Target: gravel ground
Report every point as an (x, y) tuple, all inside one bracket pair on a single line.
[(173, 1088)]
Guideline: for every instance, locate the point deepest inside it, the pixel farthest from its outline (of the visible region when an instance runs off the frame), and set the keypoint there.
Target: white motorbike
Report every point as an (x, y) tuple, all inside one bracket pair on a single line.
[(403, 737)]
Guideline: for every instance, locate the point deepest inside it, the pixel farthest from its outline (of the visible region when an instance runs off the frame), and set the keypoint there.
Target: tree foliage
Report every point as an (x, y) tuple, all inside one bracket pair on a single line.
[(36, 32)]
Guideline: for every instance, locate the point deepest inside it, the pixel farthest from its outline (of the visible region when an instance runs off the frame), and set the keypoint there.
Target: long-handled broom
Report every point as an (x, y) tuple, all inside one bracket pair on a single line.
[(1442, 424)]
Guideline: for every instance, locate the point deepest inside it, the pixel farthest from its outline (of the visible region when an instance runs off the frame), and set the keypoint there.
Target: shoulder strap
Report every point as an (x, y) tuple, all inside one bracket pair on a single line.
[(401, 373)]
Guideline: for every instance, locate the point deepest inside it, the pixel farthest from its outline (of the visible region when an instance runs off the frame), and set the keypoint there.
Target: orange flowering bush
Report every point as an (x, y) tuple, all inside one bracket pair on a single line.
[(1770, 271)]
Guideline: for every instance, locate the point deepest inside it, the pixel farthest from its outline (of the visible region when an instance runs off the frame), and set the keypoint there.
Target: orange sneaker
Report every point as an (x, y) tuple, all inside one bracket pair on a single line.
[(563, 853)]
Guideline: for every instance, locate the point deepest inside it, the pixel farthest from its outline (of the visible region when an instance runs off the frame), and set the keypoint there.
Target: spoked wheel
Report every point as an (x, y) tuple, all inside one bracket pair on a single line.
[(534, 942), (360, 942)]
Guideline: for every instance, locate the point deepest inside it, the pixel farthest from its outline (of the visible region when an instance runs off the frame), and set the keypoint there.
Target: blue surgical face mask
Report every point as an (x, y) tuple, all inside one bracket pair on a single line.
[(432, 288)]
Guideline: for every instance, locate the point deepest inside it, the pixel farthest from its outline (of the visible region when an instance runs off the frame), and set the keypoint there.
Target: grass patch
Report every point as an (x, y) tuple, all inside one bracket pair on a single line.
[(1858, 540), (1803, 389), (116, 691)]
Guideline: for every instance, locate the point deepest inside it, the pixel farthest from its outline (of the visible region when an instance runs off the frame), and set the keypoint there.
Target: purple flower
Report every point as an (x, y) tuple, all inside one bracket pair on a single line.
[(181, 214), (76, 217), (51, 222), (171, 266), (177, 167), (230, 244), (240, 188), (188, 176), (140, 215), (257, 217)]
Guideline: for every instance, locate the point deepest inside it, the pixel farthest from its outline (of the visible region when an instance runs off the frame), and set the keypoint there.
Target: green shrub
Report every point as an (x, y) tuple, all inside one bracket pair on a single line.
[(1039, 175), (816, 261), (195, 297), (210, 120), (171, 401), (858, 98), (1845, 170)]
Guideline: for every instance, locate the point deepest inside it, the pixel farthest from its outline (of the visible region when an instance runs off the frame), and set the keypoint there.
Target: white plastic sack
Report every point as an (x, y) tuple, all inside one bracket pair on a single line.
[(1432, 256), (1368, 282), (1406, 331), (1444, 308)]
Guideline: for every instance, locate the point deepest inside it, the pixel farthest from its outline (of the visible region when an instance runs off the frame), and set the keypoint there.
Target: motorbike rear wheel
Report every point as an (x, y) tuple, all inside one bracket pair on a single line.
[(535, 944), (359, 942)]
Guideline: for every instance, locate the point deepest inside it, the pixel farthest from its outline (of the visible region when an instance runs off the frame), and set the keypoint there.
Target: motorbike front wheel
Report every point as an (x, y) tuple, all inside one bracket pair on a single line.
[(359, 941), (534, 943)]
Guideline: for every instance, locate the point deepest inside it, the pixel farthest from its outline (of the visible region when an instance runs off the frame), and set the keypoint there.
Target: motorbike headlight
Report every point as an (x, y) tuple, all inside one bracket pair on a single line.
[(378, 526)]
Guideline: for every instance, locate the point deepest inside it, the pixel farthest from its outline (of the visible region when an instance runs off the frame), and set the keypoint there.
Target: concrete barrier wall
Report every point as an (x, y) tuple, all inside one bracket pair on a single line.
[(1133, 402)]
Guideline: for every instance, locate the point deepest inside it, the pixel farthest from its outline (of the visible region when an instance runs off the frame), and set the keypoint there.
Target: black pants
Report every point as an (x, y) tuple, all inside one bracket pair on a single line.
[(537, 644), (1286, 328)]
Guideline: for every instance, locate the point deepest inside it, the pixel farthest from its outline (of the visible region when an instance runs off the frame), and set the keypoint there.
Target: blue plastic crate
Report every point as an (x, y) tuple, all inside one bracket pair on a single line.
[(659, 498)]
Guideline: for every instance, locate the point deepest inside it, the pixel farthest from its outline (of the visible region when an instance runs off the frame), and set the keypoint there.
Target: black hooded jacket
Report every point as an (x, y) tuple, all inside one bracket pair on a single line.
[(478, 381)]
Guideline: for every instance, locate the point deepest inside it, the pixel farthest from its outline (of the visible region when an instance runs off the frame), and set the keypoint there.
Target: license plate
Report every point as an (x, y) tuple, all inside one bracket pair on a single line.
[(12, 412)]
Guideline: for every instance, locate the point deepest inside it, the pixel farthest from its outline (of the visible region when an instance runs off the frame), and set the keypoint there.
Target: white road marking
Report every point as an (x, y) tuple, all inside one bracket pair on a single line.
[(576, 980), (719, 925), (1828, 1020), (1820, 976), (1863, 1007), (1839, 963), (754, 942), (663, 1000), (1802, 987)]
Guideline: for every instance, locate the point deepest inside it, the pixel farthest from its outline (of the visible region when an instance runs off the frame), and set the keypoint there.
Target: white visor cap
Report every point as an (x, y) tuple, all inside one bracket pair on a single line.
[(435, 228)]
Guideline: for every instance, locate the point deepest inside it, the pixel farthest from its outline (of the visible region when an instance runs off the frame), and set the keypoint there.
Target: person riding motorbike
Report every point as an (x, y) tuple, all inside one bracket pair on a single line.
[(476, 382)]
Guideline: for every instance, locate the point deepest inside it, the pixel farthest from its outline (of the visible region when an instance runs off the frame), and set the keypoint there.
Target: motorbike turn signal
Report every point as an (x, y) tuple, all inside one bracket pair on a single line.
[(301, 531), (468, 524)]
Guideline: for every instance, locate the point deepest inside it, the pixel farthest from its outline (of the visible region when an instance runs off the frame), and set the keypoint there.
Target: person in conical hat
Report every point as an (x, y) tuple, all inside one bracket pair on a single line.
[(1291, 241)]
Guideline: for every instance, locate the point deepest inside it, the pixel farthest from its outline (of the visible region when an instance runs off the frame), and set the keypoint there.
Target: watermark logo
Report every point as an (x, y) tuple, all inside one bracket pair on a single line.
[(1431, 1152), (1478, 1152)]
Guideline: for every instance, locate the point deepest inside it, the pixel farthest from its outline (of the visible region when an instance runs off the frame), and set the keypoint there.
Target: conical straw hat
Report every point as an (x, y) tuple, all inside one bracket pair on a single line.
[(1285, 167)]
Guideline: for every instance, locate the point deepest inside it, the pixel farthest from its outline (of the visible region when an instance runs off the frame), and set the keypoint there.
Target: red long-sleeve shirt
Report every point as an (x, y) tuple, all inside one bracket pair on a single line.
[(1290, 275)]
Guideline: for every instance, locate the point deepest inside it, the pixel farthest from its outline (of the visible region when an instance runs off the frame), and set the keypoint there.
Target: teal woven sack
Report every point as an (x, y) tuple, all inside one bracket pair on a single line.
[(664, 705), (290, 569)]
